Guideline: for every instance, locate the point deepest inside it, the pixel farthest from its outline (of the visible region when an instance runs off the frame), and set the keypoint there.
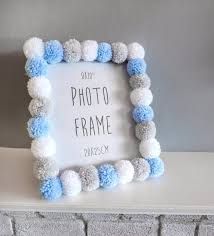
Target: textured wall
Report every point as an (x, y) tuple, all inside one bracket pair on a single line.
[(177, 34)]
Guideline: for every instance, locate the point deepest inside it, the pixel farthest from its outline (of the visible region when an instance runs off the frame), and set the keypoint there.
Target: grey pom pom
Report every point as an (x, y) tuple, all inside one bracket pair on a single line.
[(72, 50), (89, 178), (141, 169), (140, 81), (145, 131), (120, 52), (45, 168), (40, 107)]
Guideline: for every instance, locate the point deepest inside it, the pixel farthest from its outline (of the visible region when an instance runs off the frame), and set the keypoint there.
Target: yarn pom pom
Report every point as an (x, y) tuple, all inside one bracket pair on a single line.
[(136, 67), (51, 189), (53, 52), (104, 53), (150, 148), (89, 50), (141, 96), (33, 47), (35, 67), (40, 107), (39, 87), (145, 131), (156, 166), (71, 183), (72, 51), (141, 169), (140, 81), (44, 147), (125, 171), (89, 178), (119, 52), (38, 127), (45, 168), (142, 114), (135, 50), (108, 176)]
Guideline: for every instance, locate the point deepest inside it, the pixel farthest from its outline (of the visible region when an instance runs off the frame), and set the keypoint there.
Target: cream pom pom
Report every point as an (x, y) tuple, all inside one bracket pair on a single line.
[(135, 50), (71, 183), (141, 169), (89, 50), (40, 107), (145, 131), (39, 87), (141, 96), (44, 147), (125, 171), (120, 52), (150, 148), (33, 47)]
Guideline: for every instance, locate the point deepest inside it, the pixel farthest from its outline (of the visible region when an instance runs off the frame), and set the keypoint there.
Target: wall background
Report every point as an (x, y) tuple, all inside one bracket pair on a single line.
[(177, 34)]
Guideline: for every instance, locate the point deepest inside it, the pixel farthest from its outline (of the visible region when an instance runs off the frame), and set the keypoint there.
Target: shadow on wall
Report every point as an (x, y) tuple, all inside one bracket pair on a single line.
[(14, 101)]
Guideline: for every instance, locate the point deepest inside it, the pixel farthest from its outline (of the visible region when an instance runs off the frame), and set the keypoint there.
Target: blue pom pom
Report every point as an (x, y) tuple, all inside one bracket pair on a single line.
[(136, 67), (36, 67), (156, 167), (104, 53), (53, 52), (143, 114), (108, 176), (38, 127), (51, 188)]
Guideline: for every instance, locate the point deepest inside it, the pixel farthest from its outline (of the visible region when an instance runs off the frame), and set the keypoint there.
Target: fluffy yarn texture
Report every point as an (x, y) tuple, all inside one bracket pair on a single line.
[(156, 166), (142, 114), (45, 168), (119, 52), (71, 183), (136, 67), (39, 87), (140, 81), (33, 47), (38, 127), (53, 52), (35, 67), (51, 189), (150, 148), (44, 147), (104, 53), (145, 131), (89, 178), (135, 50), (141, 169), (141, 96), (125, 171), (40, 107), (108, 176), (72, 51), (89, 50)]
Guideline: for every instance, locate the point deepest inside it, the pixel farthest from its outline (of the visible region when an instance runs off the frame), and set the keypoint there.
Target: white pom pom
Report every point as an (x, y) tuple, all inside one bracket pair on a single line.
[(33, 47), (44, 147), (71, 183), (141, 96), (89, 50), (135, 50), (125, 171), (39, 87), (150, 148)]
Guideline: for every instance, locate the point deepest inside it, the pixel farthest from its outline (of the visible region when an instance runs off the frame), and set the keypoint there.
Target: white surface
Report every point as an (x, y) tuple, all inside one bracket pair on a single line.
[(186, 188)]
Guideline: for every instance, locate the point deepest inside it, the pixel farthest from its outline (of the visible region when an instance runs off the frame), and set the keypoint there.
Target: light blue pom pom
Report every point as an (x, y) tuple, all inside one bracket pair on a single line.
[(53, 52), (136, 67), (142, 114), (156, 167), (51, 188), (38, 127), (36, 67), (104, 53), (108, 176)]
